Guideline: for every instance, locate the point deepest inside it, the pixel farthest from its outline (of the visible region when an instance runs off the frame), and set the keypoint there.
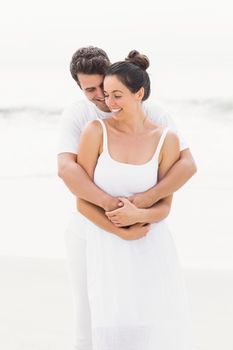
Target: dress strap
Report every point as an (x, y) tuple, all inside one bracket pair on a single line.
[(105, 135), (161, 141)]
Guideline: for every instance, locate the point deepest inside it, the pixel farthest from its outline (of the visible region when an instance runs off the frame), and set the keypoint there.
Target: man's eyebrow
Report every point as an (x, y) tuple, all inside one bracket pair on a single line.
[(90, 88)]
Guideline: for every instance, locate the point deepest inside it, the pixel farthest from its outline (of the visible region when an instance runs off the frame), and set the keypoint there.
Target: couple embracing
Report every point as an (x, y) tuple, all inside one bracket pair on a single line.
[(123, 159)]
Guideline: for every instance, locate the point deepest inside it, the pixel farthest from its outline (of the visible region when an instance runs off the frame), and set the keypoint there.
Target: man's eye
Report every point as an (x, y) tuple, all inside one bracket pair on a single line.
[(117, 96)]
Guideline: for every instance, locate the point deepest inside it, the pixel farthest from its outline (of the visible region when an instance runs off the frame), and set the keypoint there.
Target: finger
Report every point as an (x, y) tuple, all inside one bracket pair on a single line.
[(112, 220), (113, 212), (123, 200), (110, 215), (132, 200), (115, 221)]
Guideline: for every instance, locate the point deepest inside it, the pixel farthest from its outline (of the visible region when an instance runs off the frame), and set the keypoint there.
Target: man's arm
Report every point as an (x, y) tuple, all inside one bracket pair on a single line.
[(97, 216), (80, 184), (176, 177)]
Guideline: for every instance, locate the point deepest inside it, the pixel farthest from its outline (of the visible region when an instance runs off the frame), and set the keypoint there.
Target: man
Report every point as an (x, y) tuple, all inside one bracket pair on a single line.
[(88, 66)]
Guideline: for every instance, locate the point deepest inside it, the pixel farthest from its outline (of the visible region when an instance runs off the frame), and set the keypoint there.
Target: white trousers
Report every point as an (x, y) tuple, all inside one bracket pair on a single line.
[(76, 254)]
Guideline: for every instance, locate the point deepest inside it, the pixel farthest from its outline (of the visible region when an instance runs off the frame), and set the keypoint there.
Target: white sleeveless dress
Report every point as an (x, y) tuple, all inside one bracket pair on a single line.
[(136, 289)]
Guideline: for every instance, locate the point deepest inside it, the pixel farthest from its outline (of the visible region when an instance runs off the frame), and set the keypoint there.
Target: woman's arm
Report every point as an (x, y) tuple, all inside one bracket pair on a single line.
[(129, 213), (89, 150)]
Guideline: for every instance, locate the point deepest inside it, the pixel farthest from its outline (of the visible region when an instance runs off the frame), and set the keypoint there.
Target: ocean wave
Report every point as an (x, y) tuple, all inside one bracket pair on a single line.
[(213, 109), (218, 104), (40, 114), (26, 109), (37, 175), (213, 104)]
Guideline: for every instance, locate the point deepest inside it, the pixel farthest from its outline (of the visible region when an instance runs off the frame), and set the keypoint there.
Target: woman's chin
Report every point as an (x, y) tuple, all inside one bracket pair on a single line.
[(117, 114)]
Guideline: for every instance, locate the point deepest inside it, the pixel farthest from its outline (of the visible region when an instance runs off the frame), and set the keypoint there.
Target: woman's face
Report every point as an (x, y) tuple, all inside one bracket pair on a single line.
[(118, 97)]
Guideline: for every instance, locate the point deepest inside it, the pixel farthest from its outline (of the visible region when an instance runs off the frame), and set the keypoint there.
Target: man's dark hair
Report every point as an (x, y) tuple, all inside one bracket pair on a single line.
[(88, 60)]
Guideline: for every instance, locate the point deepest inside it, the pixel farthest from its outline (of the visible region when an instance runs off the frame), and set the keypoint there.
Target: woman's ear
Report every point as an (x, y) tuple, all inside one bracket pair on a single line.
[(140, 93)]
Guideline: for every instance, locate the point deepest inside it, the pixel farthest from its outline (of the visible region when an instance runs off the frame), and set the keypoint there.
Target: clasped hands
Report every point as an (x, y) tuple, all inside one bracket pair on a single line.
[(126, 215)]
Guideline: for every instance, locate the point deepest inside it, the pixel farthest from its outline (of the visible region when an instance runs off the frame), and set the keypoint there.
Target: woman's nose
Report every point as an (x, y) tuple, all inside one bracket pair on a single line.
[(110, 101)]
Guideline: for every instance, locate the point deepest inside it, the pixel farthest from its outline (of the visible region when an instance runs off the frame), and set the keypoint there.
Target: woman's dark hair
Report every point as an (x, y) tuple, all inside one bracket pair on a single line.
[(89, 60), (132, 72)]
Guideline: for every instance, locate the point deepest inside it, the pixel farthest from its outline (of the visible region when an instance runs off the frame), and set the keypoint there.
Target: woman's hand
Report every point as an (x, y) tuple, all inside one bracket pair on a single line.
[(128, 215), (134, 232)]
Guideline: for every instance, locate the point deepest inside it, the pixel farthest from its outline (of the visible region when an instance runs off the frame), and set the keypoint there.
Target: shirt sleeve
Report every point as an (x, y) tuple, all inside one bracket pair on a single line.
[(69, 131), (167, 121), (162, 117)]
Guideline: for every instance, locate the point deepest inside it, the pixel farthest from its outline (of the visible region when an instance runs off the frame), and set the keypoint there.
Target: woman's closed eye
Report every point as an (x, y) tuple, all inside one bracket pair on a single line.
[(114, 96)]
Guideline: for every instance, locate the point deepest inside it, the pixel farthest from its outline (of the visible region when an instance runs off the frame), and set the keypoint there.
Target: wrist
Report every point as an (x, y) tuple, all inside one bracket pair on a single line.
[(106, 202), (142, 215), (153, 196)]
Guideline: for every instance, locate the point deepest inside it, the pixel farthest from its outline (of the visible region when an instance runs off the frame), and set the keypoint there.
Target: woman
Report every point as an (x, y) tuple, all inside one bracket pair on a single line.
[(135, 286)]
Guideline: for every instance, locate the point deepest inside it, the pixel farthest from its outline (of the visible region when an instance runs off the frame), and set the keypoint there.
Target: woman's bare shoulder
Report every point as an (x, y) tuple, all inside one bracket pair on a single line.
[(93, 129), (171, 141), (93, 126), (92, 133), (171, 136)]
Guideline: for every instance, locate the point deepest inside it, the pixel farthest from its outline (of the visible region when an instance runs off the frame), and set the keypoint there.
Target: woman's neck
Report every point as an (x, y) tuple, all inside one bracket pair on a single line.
[(133, 123)]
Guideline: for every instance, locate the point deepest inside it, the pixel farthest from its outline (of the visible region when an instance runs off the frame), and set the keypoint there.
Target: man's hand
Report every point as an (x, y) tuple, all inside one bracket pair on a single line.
[(128, 215), (143, 200), (134, 232)]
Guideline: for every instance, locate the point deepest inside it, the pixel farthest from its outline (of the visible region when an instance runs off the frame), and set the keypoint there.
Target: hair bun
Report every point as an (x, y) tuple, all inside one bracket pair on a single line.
[(138, 59)]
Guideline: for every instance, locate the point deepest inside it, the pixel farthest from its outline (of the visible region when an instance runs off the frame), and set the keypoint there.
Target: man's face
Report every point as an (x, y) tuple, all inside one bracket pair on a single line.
[(92, 86)]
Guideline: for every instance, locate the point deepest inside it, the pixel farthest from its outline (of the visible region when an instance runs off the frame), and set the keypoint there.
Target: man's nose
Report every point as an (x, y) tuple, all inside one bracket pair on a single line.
[(100, 93)]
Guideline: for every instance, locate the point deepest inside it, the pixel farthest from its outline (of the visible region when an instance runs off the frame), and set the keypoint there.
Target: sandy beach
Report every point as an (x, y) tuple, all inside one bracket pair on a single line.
[(36, 305)]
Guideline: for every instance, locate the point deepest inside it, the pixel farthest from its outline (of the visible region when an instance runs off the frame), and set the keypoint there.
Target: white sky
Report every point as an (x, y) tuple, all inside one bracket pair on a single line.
[(190, 45)]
